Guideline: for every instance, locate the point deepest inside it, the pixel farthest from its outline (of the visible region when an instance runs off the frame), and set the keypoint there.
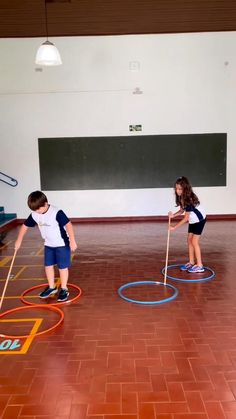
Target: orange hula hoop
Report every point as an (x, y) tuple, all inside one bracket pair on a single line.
[(52, 304), (40, 306)]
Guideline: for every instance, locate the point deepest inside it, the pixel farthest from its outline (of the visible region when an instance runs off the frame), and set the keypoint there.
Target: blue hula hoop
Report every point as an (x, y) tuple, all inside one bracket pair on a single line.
[(208, 278), (133, 284)]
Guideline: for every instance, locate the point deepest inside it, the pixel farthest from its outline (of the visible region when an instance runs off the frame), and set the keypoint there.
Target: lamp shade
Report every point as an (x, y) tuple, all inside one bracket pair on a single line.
[(48, 54)]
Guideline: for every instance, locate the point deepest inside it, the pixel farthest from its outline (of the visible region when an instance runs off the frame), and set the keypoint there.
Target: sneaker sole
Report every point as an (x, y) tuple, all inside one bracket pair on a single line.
[(196, 272), (64, 299), (51, 293)]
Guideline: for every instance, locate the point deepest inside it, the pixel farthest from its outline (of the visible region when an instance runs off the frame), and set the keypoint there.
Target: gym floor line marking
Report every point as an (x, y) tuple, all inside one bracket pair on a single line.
[(26, 279), (17, 266), (16, 276), (19, 272), (5, 260), (40, 251), (12, 297), (57, 280), (31, 279), (5, 245), (29, 339)]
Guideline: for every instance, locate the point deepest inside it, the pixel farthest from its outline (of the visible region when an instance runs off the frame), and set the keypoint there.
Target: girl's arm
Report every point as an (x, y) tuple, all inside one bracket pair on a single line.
[(70, 232), (20, 237), (179, 212), (180, 223)]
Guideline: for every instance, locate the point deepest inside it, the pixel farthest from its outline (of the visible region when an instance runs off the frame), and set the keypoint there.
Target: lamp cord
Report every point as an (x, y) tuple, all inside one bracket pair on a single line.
[(46, 17)]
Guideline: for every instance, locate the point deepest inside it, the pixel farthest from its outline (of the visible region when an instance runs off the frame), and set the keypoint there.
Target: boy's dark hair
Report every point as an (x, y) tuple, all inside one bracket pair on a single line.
[(36, 200)]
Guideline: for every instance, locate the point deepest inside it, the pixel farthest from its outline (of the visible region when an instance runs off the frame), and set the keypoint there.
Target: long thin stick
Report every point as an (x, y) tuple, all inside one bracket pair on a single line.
[(8, 276), (167, 251)]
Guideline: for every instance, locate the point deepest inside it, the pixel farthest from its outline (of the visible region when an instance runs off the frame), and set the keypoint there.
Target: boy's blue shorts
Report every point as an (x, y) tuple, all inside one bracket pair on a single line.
[(60, 256)]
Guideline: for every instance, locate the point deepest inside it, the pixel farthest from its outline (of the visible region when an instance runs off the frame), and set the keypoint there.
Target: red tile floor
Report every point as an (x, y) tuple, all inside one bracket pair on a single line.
[(112, 359)]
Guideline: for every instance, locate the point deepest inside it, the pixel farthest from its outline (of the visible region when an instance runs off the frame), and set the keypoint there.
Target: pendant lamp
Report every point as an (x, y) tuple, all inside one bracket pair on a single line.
[(47, 53)]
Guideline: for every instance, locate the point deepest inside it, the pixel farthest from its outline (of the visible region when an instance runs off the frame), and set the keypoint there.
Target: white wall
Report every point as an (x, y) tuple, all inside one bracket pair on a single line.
[(189, 86)]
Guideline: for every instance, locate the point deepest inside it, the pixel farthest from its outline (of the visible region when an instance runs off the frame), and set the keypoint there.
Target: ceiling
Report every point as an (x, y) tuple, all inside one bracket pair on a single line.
[(26, 18)]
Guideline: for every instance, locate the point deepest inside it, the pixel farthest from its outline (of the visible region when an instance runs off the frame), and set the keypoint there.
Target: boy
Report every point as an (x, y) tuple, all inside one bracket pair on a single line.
[(57, 232)]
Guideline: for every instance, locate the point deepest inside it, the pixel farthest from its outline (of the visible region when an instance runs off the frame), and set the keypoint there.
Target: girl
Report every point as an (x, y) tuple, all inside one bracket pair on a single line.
[(194, 214)]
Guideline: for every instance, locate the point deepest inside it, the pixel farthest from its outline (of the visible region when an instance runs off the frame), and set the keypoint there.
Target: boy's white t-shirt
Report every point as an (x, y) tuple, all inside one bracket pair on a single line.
[(51, 225)]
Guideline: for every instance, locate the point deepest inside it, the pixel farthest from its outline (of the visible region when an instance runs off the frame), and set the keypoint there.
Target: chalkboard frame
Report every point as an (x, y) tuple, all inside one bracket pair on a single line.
[(131, 162)]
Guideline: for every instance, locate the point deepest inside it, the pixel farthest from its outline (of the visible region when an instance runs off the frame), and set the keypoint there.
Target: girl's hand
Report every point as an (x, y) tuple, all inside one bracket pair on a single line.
[(18, 244), (172, 228), (170, 214)]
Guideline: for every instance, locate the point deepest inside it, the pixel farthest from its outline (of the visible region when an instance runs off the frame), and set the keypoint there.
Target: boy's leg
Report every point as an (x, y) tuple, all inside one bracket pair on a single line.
[(51, 289), (63, 263), (64, 275), (50, 261), (50, 274), (63, 255), (64, 293)]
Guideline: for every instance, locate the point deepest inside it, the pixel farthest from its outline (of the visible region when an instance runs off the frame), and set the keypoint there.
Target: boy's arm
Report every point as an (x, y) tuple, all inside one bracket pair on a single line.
[(20, 237), (70, 232)]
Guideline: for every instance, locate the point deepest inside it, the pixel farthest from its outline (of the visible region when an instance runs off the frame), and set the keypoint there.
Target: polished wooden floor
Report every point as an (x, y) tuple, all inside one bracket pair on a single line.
[(112, 359)]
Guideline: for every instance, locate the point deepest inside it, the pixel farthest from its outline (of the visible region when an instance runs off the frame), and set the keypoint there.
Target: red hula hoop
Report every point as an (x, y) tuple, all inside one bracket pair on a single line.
[(52, 304), (40, 306)]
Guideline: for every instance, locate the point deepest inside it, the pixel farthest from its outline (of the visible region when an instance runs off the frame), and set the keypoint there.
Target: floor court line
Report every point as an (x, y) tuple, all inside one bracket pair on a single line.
[(14, 297), (29, 339), (5, 260), (25, 279), (18, 273), (6, 244), (40, 251), (15, 264)]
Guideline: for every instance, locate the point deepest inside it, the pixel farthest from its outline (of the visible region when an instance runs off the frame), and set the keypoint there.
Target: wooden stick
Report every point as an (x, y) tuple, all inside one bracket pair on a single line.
[(167, 250), (8, 277)]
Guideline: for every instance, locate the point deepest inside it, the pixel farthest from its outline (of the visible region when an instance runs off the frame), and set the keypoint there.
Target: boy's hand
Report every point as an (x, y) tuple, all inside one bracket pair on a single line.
[(73, 246), (172, 228)]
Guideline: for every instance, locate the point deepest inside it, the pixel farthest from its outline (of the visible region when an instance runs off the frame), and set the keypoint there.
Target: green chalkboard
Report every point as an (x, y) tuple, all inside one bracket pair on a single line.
[(147, 161)]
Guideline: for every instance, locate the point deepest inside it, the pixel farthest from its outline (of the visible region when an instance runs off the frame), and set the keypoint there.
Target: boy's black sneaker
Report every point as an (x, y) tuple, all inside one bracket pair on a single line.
[(47, 292), (63, 295)]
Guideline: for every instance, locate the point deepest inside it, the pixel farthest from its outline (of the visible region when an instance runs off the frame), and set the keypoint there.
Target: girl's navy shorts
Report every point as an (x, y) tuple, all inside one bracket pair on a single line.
[(60, 256), (197, 228)]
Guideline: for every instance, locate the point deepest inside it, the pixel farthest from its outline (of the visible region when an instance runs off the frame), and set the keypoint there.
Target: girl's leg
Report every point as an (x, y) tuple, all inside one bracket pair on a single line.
[(50, 276), (64, 275), (191, 248), (197, 250)]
